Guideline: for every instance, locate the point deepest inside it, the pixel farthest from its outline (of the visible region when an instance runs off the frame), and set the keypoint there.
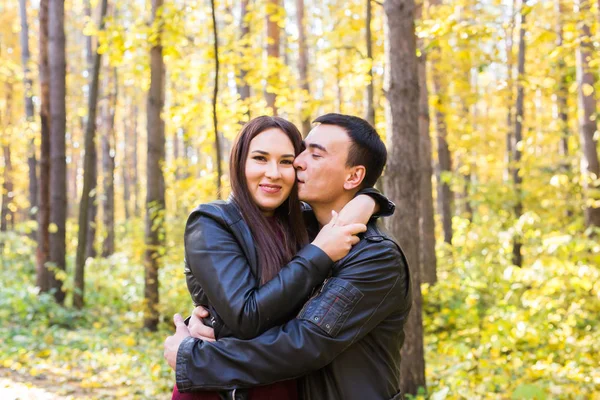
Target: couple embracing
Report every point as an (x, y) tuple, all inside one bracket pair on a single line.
[(299, 293)]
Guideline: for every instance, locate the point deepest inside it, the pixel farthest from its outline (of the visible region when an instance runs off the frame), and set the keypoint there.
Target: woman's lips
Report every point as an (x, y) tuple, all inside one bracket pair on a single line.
[(270, 189)]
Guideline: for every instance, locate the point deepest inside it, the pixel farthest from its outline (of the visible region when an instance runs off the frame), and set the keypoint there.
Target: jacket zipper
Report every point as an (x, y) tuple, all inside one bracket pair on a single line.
[(323, 286), (313, 296)]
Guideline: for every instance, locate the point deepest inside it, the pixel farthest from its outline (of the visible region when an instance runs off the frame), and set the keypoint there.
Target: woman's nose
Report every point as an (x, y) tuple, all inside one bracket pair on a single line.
[(273, 171)]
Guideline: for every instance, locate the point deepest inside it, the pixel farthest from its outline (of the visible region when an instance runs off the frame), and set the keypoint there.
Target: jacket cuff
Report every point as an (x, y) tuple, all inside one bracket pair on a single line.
[(386, 206), (184, 353), (317, 257)]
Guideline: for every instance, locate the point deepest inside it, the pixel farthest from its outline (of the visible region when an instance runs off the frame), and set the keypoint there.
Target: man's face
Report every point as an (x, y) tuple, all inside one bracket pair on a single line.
[(321, 168)]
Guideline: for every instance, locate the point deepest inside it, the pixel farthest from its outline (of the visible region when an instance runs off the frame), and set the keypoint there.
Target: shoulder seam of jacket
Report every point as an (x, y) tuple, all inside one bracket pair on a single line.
[(224, 211)]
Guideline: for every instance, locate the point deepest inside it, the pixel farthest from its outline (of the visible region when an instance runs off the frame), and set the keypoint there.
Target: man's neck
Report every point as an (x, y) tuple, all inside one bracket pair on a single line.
[(323, 211)]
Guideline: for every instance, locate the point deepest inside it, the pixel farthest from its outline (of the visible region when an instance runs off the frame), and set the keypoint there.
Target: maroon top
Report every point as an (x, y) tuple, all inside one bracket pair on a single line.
[(285, 390)]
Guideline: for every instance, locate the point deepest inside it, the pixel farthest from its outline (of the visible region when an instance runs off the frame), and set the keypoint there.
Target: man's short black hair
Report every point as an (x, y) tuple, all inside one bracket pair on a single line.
[(367, 148)]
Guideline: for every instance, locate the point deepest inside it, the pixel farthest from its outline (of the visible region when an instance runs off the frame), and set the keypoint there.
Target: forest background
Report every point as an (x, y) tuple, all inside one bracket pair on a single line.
[(117, 120)]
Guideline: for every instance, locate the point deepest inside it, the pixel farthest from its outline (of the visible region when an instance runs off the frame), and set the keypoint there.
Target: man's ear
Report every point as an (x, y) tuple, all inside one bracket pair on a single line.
[(355, 177)]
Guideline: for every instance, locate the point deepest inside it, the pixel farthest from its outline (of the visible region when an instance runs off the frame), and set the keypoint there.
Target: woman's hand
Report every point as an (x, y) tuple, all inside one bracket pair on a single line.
[(358, 210), (197, 327), (336, 240)]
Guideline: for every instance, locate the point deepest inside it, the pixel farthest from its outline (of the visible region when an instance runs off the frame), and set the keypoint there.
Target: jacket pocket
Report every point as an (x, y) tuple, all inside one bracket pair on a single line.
[(330, 309)]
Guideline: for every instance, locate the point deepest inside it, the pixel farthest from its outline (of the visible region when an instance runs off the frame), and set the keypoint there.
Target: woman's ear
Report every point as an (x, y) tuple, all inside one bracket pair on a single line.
[(355, 177)]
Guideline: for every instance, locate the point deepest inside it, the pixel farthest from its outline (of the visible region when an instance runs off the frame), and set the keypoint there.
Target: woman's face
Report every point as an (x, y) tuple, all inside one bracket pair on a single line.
[(270, 173)]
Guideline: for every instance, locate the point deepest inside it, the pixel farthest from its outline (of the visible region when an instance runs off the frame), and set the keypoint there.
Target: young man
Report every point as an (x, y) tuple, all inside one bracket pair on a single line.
[(346, 340)]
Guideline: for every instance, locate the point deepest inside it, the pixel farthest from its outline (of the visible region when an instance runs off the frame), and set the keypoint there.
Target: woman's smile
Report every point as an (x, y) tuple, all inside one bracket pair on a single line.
[(270, 189)]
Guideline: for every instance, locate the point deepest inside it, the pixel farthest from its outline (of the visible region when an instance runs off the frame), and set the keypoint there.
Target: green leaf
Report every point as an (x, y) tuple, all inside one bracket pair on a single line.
[(527, 391)]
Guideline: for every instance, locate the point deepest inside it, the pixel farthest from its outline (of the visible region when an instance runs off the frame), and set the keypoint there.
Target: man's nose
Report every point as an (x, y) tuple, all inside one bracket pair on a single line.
[(299, 162)]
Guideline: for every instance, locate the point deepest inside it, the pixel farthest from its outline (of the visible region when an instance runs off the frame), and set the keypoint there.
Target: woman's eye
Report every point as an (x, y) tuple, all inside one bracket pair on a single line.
[(259, 158), (287, 162)]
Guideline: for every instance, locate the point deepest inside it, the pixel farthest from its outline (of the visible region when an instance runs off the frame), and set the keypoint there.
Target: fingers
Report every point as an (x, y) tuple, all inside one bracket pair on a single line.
[(207, 339), (178, 321), (200, 312), (354, 240), (354, 229), (202, 331), (334, 217)]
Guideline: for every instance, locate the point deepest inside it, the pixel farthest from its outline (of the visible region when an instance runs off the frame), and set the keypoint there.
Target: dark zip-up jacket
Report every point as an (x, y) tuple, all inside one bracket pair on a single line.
[(345, 341)]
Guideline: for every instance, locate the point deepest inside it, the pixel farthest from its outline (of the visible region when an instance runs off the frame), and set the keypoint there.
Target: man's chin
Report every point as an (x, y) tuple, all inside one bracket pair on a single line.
[(302, 193)]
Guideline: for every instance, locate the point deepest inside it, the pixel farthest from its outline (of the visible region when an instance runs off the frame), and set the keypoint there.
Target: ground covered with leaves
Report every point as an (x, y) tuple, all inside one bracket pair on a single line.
[(492, 330)]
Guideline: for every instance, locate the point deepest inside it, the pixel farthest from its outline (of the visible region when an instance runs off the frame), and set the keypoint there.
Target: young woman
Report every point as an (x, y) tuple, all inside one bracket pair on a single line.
[(235, 249)]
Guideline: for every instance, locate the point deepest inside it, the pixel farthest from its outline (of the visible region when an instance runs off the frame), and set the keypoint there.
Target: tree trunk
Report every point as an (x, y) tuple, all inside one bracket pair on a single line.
[(25, 57), (303, 69), (6, 214), (445, 196), (76, 129), (283, 47), (88, 176), (243, 87), (562, 92), (403, 170), (29, 110), (90, 250), (338, 83), (155, 197), (561, 113), (590, 168), (508, 171), (125, 167), (467, 178), (428, 260), (370, 109), (444, 165), (518, 137), (214, 101), (108, 165), (273, 34), (136, 180), (89, 49), (187, 153), (176, 154), (58, 168), (43, 239)]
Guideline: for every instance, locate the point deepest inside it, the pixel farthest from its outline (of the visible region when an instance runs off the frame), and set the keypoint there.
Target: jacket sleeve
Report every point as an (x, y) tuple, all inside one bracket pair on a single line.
[(220, 266), (372, 286), (386, 206)]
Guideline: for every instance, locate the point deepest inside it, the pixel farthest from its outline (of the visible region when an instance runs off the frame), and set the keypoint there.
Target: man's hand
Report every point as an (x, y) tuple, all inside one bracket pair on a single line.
[(197, 328), (172, 342)]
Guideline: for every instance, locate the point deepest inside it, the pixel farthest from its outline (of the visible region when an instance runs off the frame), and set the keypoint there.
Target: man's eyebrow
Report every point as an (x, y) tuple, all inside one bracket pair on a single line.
[(266, 154), (317, 146)]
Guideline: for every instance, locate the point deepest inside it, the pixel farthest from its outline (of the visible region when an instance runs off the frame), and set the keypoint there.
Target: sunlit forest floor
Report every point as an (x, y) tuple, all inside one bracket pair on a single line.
[(493, 331)]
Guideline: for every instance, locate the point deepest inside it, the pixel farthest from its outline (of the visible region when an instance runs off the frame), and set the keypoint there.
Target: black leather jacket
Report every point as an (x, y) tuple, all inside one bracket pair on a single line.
[(345, 341), (222, 274)]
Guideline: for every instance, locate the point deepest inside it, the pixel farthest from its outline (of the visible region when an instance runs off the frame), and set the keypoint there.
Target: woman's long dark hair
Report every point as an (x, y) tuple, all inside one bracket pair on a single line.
[(273, 251)]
